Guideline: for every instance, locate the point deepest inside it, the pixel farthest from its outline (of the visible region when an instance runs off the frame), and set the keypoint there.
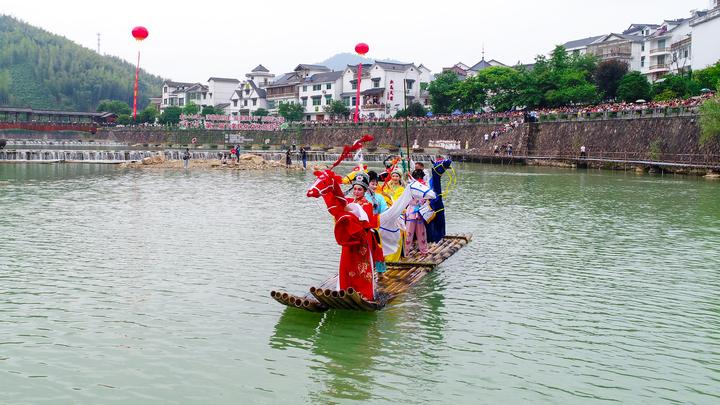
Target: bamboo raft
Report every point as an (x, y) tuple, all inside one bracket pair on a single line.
[(398, 278)]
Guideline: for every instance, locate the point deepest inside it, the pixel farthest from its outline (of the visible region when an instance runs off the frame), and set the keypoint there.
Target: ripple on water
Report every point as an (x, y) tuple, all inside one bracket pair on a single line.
[(153, 286)]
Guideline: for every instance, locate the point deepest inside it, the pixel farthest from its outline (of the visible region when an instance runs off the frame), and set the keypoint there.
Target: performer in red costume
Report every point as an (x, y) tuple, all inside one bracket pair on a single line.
[(354, 222)]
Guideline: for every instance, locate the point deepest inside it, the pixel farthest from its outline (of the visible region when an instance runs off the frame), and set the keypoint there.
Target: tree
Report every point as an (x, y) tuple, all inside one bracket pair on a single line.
[(665, 95), (470, 94), (608, 75), (191, 109), (291, 111), (682, 86), (337, 109), (710, 119), (170, 116), (114, 106), (210, 110), (261, 112), (633, 86), (502, 85), (708, 78), (443, 92), (124, 119), (148, 115), (558, 81), (415, 109)]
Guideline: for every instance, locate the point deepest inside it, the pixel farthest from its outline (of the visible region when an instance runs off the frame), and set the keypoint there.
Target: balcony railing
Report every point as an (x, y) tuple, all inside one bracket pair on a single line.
[(616, 55), (659, 50), (660, 67), (373, 106)]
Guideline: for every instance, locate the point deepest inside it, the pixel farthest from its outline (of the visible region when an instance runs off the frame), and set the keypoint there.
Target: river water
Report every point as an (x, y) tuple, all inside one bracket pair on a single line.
[(129, 286)]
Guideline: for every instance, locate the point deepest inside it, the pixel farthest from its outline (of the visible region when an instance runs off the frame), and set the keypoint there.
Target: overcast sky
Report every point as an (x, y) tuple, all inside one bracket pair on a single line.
[(228, 38)]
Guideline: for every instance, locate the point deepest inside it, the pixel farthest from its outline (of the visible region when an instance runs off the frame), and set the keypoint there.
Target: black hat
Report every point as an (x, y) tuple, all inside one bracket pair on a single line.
[(362, 179)]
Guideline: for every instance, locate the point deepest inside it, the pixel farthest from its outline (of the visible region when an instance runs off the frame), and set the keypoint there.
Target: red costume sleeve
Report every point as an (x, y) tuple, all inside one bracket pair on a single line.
[(349, 230)]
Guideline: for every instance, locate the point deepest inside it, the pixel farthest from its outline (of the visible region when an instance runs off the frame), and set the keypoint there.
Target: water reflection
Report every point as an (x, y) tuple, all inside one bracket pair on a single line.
[(353, 350)]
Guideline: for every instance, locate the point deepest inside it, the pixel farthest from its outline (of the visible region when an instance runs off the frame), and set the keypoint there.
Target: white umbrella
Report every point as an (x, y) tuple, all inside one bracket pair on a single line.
[(640, 101)]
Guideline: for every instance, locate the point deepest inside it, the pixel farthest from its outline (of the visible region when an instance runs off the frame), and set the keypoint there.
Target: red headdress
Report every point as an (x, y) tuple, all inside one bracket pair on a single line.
[(348, 149)]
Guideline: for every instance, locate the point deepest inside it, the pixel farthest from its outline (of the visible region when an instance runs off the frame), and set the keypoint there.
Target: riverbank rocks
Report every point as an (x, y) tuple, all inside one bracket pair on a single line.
[(247, 161), (712, 175)]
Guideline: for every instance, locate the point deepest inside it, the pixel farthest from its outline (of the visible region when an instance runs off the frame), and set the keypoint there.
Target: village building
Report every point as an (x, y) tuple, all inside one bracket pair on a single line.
[(318, 91), (385, 87), (285, 89)]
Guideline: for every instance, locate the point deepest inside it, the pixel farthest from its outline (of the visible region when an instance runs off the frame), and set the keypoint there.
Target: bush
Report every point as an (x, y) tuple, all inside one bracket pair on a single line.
[(552, 117), (710, 120), (596, 115)]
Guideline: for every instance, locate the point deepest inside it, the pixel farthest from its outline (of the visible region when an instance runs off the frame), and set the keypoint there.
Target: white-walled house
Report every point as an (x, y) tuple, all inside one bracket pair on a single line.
[(674, 46), (220, 90), (579, 46), (247, 99), (261, 76), (705, 34), (285, 89), (426, 77), (318, 91), (385, 88), (173, 93)]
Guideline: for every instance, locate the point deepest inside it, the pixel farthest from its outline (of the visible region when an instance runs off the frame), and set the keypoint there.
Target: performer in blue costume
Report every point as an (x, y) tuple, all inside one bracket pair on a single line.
[(436, 227)]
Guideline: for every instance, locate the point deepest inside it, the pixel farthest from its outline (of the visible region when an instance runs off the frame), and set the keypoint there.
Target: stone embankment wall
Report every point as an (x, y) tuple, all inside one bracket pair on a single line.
[(641, 137), (645, 137)]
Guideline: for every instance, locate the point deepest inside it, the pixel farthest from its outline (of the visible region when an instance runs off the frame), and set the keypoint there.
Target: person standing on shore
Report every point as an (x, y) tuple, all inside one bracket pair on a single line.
[(186, 158), (303, 156), (288, 160), (583, 154)]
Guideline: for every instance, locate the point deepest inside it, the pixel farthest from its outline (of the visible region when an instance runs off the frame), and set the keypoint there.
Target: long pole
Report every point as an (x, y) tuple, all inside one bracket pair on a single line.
[(135, 91), (357, 97), (407, 136)]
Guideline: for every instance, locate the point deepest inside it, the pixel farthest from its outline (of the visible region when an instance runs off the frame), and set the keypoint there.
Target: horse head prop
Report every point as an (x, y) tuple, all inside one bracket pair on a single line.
[(421, 190), (327, 182)]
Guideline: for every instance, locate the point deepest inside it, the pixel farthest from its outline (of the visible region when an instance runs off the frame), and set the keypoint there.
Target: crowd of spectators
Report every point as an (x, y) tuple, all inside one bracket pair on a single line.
[(520, 116)]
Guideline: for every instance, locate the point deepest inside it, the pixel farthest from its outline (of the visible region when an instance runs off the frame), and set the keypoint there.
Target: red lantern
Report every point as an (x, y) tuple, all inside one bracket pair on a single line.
[(362, 48), (140, 33)]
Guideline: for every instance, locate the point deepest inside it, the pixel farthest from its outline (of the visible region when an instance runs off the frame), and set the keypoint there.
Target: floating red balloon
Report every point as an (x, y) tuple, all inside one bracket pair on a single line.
[(140, 33), (362, 48)]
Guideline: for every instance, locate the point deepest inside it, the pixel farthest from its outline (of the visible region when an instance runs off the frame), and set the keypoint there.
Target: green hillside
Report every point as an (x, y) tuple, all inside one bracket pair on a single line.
[(42, 70)]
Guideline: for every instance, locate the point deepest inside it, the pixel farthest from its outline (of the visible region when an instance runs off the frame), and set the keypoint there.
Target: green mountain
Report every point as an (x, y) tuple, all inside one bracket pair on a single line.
[(42, 70)]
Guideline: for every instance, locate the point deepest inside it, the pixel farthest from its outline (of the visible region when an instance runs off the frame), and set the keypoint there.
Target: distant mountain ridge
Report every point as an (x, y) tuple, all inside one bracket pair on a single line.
[(341, 60), (39, 69)]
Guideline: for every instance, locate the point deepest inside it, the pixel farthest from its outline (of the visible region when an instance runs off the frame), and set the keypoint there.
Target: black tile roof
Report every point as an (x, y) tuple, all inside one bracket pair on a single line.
[(581, 42), (324, 77), (223, 79)]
